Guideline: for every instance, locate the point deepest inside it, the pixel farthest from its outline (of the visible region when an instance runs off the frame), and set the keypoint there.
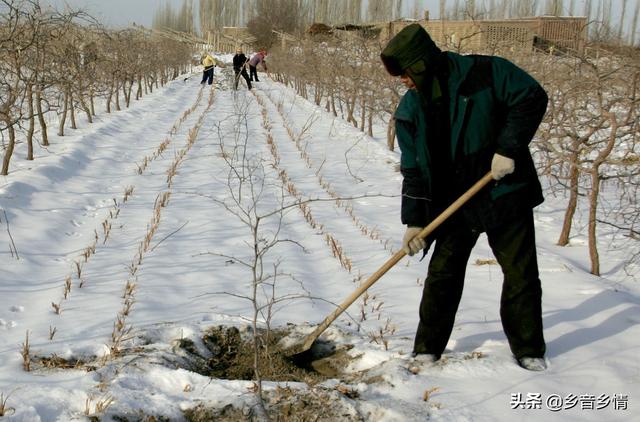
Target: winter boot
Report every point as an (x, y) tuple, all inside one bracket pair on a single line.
[(532, 364)]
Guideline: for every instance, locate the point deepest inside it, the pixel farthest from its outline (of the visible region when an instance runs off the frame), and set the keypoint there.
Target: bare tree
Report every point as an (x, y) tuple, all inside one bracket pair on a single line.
[(53, 62), (216, 14), (554, 7), (256, 199), (279, 15), (591, 126), (634, 27), (623, 13), (18, 35)]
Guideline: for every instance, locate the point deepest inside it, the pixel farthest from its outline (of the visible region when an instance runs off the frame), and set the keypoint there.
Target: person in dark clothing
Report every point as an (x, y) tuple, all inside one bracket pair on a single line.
[(461, 117), (239, 68)]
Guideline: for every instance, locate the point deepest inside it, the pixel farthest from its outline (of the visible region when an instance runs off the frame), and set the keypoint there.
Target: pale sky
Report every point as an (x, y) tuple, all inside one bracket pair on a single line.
[(122, 13), (116, 13)]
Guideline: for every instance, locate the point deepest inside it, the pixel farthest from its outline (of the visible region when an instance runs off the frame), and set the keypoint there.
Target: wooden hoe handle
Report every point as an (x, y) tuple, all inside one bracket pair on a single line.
[(395, 258)]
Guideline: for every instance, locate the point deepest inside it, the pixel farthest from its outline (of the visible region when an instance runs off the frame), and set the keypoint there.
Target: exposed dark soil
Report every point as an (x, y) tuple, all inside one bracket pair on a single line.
[(233, 356), (286, 405), (229, 352)]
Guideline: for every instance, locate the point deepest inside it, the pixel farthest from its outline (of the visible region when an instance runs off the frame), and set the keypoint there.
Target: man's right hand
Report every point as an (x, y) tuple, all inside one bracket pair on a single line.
[(412, 244)]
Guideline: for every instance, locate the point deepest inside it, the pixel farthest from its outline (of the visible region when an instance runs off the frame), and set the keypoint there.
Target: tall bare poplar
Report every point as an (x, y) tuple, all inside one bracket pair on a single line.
[(470, 12), (379, 10), (398, 9), (633, 28), (526, 8), (502, 9), (623, 12), (554, 7)]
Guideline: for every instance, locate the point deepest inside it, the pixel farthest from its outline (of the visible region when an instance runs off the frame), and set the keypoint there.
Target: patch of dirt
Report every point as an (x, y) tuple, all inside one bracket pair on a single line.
[(233, 356), (229, 352), (138, 418), (287, 405), (202, 413), (56, 362)]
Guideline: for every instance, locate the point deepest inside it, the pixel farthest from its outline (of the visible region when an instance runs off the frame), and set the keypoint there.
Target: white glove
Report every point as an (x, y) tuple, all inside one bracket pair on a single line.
[(412, 244), (501, 166)]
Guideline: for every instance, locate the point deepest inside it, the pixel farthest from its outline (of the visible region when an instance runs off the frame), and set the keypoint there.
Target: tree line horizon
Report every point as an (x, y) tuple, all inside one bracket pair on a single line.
[(295, 16)]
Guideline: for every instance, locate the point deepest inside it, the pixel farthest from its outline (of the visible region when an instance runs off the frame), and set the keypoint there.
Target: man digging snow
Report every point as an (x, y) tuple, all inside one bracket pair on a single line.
[(461, 117)]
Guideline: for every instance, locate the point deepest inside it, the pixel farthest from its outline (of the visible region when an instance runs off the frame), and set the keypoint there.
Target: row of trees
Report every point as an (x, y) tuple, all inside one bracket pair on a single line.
[(54, 64), (295, 16), (63, 63), (589, 141), (609, 27), (215, 14), (589, 146)]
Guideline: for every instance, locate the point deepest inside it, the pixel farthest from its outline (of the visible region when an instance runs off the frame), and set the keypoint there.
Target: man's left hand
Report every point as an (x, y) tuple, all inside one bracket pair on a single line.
[(501, 166)]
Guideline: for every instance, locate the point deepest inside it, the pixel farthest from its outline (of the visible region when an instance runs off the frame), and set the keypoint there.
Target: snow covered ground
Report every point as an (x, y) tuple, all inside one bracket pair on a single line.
[(127, 234)]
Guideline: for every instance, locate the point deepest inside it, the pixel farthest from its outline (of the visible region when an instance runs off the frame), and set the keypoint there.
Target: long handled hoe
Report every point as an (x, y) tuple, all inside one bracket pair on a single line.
[(295, 351)]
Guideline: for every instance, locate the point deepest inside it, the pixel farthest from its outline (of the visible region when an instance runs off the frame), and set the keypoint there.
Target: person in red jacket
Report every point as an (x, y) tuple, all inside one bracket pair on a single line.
[(255, 60)]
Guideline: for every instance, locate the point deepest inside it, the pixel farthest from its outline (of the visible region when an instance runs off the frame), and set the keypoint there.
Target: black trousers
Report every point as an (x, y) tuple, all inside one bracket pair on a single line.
[(207, 76), (253, 73), (242, 73), (513, 245)]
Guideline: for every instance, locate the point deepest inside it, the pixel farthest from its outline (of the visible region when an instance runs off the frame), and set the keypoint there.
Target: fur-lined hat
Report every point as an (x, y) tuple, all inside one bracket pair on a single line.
[(410, 51)]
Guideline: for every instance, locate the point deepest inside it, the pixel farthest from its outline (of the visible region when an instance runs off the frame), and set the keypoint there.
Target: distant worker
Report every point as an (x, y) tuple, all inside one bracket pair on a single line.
[(239, 68), (209, 63), (255, 60)]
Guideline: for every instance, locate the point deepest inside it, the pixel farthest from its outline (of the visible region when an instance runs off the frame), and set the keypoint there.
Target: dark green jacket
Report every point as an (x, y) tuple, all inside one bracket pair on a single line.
[(494, 106)]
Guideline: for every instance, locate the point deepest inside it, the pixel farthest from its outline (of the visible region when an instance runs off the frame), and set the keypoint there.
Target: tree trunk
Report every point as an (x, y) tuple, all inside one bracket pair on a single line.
[(363, 113), (593, 208), (41, 119), (72, 112), (63, 117), (9, 151), (317, 95), (574, 175), (116, 91), (31, 127), (595, 190), (110, 97), (333, 105), (91, 101), (85, 107), (391, 134), (129, 90), (139, 91)]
